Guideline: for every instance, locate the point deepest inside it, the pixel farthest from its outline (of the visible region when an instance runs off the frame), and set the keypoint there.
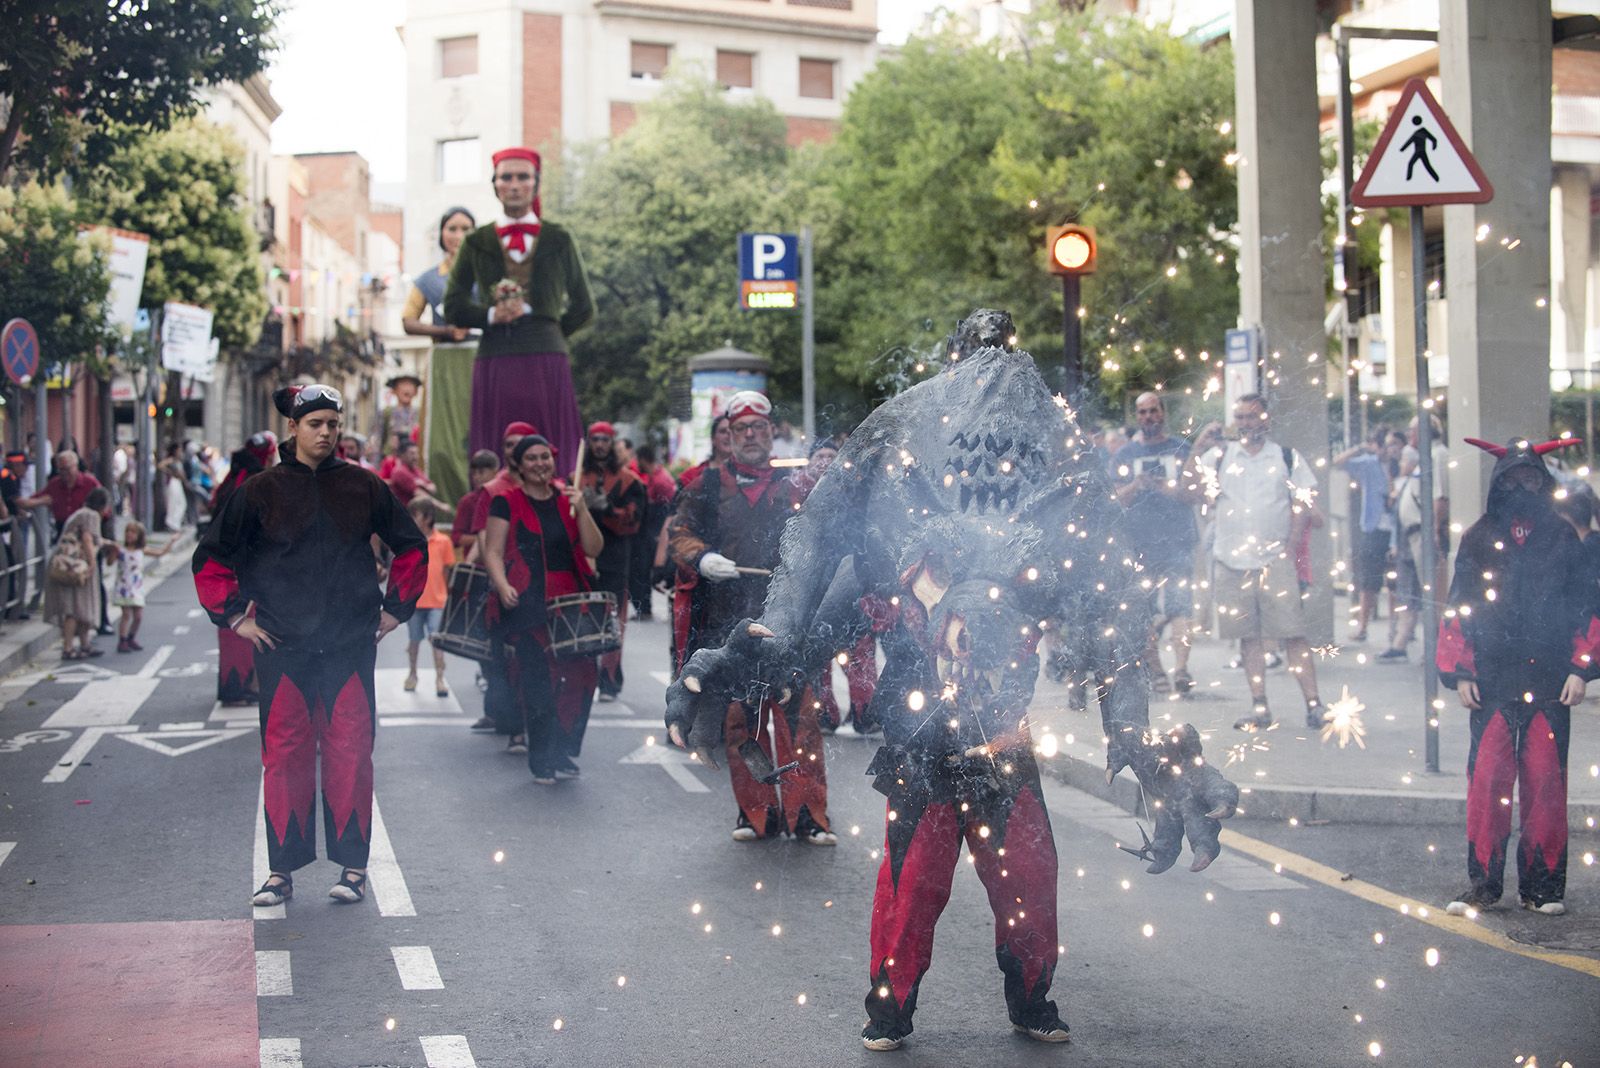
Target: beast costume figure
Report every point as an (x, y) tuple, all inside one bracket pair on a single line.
[(971, 515), (295, 541), (1518, 643)]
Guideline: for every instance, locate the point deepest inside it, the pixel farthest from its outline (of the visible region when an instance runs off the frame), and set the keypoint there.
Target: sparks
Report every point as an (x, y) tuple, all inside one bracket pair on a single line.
[(1342, 720)]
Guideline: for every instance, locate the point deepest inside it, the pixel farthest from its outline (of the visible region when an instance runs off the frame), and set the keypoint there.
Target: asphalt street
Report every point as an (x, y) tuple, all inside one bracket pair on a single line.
[(612, 920)]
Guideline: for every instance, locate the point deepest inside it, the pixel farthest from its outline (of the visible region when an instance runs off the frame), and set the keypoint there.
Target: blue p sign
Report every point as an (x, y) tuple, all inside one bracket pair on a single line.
[(769, 257)]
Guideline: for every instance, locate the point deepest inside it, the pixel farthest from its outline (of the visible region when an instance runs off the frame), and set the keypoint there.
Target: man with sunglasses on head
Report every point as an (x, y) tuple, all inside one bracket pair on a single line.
[(295, 541), (728, 528)]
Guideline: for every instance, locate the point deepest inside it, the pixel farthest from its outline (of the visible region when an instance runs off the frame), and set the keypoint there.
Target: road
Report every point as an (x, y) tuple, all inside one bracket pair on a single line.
[(612, 921)]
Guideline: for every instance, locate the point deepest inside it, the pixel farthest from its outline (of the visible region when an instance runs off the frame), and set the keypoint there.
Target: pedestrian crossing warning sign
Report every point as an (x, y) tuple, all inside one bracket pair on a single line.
[(1420, 159)]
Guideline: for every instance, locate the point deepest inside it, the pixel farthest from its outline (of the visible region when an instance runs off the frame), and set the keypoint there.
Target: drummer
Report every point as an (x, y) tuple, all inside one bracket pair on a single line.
[(500, 712), (536, 545)]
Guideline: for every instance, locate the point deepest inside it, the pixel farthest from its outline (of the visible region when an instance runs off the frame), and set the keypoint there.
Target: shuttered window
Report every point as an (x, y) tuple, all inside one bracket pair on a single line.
[(816, 78), (650, 60), (458, 56), (736, 70)]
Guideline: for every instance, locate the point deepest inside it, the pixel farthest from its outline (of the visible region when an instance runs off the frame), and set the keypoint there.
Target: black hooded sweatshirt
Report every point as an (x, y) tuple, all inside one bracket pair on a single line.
[(1522, 610), (298, 542)]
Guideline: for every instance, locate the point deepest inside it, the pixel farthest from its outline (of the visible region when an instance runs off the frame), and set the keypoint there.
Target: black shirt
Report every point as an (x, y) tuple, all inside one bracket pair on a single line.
[(552, 531)]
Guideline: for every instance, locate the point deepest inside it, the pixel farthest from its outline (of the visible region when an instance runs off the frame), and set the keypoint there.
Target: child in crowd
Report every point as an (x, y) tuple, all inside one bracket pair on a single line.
[(430, 607), (130, 585)]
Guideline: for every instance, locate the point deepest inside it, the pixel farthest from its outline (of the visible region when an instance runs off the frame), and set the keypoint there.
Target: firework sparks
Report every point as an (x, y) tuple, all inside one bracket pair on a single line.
[(1342, 720)]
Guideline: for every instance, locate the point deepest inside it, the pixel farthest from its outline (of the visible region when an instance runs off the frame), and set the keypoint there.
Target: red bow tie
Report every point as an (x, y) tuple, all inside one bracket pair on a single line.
[(513, 235)]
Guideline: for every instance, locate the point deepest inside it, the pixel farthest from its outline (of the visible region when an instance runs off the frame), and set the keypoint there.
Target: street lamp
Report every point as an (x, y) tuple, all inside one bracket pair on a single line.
[(1072, 253)]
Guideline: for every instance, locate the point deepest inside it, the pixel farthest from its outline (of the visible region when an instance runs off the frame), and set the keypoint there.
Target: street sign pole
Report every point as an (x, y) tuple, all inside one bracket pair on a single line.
[(1425, 476), (808, 341)]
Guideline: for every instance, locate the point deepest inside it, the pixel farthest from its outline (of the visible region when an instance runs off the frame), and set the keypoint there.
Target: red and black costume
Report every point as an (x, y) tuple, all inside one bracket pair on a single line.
[(297, 544), (740, 512), (236, 665), (543, 559), (618, 503), (1521, 618)]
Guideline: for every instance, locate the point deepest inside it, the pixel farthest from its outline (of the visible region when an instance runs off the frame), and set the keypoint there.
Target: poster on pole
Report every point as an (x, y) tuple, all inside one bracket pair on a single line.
[(186, 340), (130, 252)]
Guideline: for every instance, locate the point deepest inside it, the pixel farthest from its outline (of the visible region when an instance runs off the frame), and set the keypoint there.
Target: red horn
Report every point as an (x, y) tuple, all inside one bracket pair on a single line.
[(1487, 446), (1552, 446)]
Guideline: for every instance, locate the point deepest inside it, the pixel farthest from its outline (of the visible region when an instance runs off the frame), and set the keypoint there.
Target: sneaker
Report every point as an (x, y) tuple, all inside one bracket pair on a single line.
[(1259, 719), (1474, 900), (807, 830), (1390, 656), (518, 744), (483, 725), (1182, 681), (543, 776), (1549, 908), (566, 769), (742, 830), (879, 1037), (1274, 661), (1050, 1032), (605, 698), (1316, 715)]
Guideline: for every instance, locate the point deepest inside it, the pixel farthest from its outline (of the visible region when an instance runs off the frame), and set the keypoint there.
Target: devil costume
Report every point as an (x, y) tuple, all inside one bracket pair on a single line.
[(740, 512), (1520, 620), (297, 544), (618, 501)]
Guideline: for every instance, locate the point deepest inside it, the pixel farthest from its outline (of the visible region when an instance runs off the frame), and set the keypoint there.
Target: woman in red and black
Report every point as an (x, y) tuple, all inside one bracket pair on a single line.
[(296, 543), (236, 665), (536, 545)]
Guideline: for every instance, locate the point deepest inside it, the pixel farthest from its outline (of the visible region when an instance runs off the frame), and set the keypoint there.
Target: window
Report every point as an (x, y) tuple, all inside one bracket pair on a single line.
[(458, 56), (736, 70), (650, 60), (816, 78), (460, 162)]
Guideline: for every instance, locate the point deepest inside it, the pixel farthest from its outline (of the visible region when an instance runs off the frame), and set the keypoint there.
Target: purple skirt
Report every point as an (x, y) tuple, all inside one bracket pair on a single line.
[(536, 388)]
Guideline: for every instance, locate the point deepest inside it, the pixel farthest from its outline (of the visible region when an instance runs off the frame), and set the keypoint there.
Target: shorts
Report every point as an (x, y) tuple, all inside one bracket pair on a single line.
[(1258, 604), (1172, 595), (1372, 560), (1408, 586), (423, 622)]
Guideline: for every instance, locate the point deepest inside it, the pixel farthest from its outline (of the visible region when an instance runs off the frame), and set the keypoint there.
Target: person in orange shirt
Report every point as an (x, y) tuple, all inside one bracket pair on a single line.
[(430, 606)]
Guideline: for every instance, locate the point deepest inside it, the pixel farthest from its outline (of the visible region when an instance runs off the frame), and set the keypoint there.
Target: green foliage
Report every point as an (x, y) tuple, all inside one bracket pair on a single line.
[(86, 76), (184, 187), (955, 156), (657, 216), (51, 276)]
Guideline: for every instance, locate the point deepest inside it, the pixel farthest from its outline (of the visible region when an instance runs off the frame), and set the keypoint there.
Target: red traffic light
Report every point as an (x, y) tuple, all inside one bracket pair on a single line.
[(1072, 249)]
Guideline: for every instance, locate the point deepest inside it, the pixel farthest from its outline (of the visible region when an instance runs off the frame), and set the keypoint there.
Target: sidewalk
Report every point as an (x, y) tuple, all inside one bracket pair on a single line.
[(1290, 772), (22, 641)]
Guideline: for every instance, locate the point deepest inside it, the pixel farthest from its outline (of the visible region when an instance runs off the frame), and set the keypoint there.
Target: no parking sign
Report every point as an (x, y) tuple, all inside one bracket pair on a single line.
[(19, 351)]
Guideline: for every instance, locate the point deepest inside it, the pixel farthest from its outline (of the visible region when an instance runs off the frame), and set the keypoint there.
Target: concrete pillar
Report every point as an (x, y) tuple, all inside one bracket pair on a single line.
[(1569, 269), (1281, 256), (1494, 61), (1399, 315)]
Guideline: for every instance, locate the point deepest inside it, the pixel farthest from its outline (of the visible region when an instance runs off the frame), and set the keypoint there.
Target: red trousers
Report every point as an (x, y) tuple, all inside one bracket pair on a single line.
[(317, 708), (1523, 746), (1014, 853), (798, 737)]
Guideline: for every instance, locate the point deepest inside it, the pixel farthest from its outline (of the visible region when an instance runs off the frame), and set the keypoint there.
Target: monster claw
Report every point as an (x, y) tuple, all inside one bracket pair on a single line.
[(691, 684), (1109, 776), (783, 698), (706, 757), (1202, 861), (756, 630), (1221, 812)]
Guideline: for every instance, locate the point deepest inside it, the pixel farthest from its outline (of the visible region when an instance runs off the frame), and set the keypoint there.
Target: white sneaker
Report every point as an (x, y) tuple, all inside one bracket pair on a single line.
[(1459, 908), (820, 837), (742, 831), (882, 1043), (1549, 908)]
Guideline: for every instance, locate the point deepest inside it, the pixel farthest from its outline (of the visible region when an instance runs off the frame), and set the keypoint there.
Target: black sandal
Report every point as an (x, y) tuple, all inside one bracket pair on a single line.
[(351, 887), (272, 893)]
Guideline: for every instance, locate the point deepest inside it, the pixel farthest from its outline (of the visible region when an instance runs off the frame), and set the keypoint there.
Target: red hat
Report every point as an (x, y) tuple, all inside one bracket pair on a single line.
[(748, 402), (517, 153), (518, 429), (603, 427)]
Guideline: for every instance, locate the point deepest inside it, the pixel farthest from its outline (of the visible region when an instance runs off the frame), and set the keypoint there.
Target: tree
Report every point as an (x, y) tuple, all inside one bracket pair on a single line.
[(184, 187), (51, 275), (954, 157), (85, 76), (657, 215)]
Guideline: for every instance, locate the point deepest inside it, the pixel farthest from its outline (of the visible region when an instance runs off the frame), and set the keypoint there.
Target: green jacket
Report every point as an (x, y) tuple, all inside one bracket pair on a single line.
[(558, 292)]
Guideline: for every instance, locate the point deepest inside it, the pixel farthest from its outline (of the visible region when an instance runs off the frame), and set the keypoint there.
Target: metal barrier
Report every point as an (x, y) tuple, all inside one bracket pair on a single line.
[(15, 587)]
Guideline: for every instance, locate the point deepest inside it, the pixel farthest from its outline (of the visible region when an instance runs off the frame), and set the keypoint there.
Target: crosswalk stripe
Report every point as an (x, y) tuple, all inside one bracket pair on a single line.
[(417, 968), (447, 1051), (388, 882), (5, 850), (273, 978), (280, 1053)]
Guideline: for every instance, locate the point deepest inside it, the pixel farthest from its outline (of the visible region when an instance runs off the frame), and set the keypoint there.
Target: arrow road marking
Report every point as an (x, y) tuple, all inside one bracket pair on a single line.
[(111, 701), (5, 850), (673, 761)]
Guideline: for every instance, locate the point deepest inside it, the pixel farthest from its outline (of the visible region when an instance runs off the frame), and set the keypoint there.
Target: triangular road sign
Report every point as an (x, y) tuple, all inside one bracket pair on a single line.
[(1420, 159)]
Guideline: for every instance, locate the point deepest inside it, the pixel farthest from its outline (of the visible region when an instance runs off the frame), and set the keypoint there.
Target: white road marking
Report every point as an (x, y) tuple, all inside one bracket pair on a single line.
[(262, 870), (112, 701), (79, 749), (273, 979), (5, 850), (662, 677), (195, 613), (675, 762), (1229, 870), (416, 967), (188, 725), (181, 628), (447, 1051), (156, 661), (280, 1053), (388, 882), (236, 714), (389, 692), (157, 742), (611, 710)]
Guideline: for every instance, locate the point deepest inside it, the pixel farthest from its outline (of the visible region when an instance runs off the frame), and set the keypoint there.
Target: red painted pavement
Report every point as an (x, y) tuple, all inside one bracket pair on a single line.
[(147, 995)]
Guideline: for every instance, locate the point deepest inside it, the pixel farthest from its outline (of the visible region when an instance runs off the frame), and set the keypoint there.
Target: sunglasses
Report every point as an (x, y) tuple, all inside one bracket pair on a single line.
[(309, 394)]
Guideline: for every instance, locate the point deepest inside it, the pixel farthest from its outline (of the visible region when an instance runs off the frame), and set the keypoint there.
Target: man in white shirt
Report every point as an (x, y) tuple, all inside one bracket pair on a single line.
[(1261, 493)]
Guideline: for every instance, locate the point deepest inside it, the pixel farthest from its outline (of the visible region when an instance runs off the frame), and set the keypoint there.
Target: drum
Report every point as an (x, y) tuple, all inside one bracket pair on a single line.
[(465, 630), (583, 624)]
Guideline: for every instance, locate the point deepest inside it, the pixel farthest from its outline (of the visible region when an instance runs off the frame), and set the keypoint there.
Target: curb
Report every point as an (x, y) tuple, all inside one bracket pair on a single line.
[(1309, 803)]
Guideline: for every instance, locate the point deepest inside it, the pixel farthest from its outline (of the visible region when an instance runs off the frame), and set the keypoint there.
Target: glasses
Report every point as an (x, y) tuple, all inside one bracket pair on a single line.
[(753, 429)]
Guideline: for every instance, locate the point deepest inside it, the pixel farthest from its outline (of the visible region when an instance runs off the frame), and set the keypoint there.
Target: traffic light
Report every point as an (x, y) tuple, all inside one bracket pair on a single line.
[(1072, 249)]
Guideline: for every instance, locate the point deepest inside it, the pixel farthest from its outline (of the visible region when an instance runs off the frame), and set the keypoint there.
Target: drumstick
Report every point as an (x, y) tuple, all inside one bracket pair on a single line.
[(577, 472), (752, 570)]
